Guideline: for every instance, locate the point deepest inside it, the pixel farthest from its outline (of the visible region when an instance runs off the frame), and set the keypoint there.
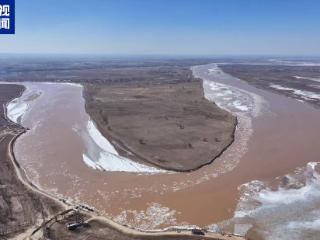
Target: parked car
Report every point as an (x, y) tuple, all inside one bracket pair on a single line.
[(197, 231)]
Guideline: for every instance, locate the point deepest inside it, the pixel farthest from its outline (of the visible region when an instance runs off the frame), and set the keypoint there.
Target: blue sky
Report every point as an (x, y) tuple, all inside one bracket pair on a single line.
[(201, 27)]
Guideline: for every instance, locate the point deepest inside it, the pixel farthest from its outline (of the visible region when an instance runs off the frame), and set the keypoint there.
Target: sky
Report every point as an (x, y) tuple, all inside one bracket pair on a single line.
[(166, 27)]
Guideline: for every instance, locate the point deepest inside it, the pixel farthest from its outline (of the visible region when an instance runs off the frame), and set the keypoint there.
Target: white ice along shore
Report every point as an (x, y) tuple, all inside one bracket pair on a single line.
[(231, 98), (293, 63), (306, 95), (18, 107), (291, 212), (101, 155), (315, 79), (240, 102)]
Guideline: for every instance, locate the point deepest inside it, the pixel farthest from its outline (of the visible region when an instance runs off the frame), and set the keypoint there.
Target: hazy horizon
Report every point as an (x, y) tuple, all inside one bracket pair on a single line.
[(168, 28)]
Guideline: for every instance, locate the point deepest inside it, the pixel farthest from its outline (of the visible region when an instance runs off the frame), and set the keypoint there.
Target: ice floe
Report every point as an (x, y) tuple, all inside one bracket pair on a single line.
[(231, 98), (99, 139), (16, 109), (315, 79), (227, 97), (306, 95), (291, 211), (19, 106), (150, 219), (294, 63), (241, 102), (101, 155)]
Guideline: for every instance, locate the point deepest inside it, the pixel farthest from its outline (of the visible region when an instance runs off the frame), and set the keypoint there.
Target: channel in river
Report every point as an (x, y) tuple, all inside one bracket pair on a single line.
[(63, 153)]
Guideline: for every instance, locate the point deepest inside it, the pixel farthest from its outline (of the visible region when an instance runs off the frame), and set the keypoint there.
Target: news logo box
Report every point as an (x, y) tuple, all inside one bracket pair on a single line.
[(7, 17)]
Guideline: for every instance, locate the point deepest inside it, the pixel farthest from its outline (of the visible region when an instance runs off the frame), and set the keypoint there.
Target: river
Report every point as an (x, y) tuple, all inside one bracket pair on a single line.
[(63, 153)]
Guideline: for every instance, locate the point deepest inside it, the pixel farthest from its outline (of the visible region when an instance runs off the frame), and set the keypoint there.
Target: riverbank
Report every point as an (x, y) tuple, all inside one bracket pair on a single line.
[(21, 204)]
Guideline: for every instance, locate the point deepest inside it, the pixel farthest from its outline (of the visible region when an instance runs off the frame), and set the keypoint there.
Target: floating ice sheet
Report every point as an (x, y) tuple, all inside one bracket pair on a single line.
[(293, 63), (306, 95), (315, 79), (291, 212), (105, 157), (16, 109), (231, 98)]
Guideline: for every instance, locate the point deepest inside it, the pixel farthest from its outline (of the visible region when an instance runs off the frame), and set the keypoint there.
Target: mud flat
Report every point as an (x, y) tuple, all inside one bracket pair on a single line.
[(171, 126)]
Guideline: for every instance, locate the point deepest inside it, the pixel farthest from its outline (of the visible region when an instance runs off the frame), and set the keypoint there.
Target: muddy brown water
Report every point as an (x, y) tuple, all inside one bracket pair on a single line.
[(285, 136)]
